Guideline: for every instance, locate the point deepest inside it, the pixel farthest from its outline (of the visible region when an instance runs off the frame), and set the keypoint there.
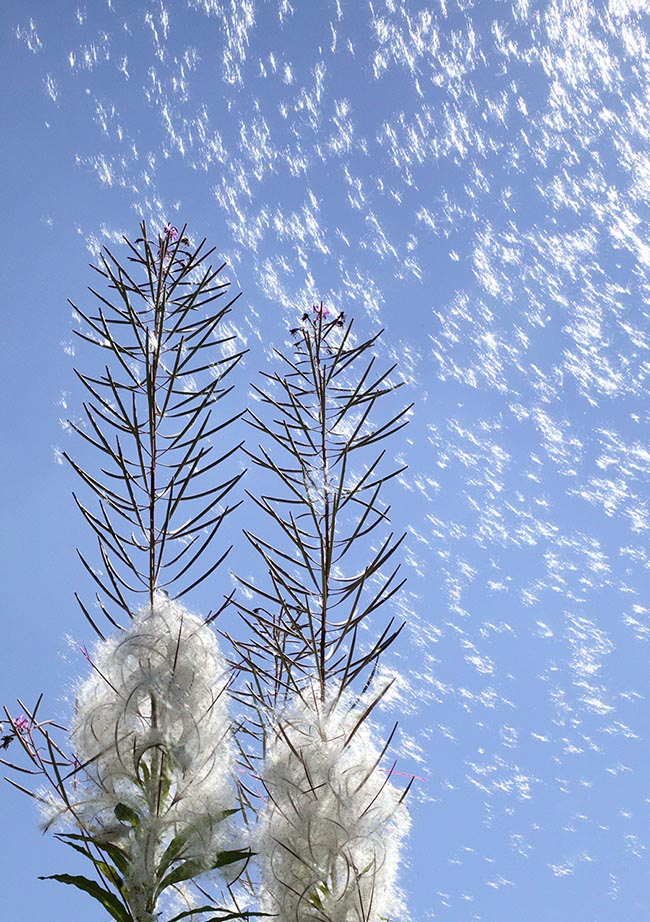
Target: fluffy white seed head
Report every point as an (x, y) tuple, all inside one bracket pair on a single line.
[(153, 732), (331, 833)]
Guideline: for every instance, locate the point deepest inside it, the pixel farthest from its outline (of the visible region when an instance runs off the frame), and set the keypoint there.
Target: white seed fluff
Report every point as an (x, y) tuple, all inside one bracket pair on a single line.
[(153, 732), (330, 836)]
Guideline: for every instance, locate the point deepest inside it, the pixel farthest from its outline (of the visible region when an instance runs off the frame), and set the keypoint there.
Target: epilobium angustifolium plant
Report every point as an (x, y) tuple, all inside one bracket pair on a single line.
[(146, 791), (332, 822)]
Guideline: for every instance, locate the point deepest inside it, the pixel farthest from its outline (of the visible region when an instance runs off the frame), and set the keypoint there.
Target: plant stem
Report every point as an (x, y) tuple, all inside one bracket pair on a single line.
[(325, 542)]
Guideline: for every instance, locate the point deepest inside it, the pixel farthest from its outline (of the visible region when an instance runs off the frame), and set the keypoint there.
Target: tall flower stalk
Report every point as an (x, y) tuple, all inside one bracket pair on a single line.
[(142, 785), (326, 473), (159, 498), (332, 821)]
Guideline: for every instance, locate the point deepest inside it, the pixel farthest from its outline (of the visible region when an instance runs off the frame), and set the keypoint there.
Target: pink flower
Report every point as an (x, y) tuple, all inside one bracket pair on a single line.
[(319, 309), (21, 723), (170, 232)]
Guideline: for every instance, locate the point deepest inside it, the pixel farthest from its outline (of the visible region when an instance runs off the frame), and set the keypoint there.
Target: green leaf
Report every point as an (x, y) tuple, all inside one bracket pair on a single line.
[(165, 787), (109, 901), (239, 915), (229, 857), (191, 912), (226, 813), (111, 875), (315, 900), (143, 768), (84, 850), (171, 853), (118, 856), (193, 867), (176, 845), (127, 815), (184, 871)]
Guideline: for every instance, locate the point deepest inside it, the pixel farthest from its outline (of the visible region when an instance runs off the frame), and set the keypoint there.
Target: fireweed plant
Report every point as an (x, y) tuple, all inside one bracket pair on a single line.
[(331, 823), (142, 784), (150, 778)]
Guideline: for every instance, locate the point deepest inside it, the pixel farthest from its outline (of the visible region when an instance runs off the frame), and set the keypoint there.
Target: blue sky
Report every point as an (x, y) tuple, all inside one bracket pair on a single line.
[(473, 177)]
